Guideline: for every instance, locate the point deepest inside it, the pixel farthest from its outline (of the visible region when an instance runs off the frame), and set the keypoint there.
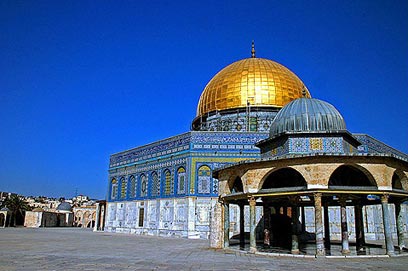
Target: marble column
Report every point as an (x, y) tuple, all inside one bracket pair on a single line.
[(345, 247), (359, 223), (326, 226), (295, 226), (399, 218), (389, 245), (252, 225), (226, 224), (319, 225), (241, 225), (97, 218), (303, 219)]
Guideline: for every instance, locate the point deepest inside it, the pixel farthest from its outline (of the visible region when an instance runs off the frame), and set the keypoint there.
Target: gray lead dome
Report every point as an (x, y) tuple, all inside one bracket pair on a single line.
[(307, 115)]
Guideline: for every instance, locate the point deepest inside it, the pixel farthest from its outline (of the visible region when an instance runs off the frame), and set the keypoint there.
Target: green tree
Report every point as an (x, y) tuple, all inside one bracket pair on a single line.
[(17, 207)]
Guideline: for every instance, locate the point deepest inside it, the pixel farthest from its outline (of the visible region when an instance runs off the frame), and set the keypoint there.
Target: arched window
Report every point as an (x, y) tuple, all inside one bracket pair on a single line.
[(114, 188), (204, 180), (168, 183), (181, 181), (132, 186), (143, 185), (123, 187), (155, 185)]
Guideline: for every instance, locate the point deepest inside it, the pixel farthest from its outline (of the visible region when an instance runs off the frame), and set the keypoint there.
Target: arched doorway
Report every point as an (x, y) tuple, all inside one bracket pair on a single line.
[(280, 215)]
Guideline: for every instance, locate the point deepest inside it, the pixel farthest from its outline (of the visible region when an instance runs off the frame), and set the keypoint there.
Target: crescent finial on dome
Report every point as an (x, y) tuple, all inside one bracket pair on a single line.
[(253, 49)]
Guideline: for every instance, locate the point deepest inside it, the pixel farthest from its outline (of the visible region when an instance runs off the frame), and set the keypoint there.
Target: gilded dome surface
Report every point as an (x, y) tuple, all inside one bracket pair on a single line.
[(257, 81), (306, 115)]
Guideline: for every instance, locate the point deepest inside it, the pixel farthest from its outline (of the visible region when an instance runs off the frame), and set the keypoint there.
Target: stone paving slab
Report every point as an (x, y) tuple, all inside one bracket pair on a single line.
[(81, 249)]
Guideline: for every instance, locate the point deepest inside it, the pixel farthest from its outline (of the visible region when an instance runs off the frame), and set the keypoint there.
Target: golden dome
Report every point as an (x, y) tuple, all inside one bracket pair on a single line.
[(257, 81)]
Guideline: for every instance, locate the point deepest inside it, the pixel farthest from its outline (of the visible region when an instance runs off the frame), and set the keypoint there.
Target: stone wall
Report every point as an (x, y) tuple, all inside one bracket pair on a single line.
[(181, 217)]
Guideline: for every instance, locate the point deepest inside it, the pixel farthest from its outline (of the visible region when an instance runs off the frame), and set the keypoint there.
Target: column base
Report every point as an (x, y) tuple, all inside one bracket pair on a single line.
[(253, 250), (345, 251), (295, 251), (391, 253), (320, 253)]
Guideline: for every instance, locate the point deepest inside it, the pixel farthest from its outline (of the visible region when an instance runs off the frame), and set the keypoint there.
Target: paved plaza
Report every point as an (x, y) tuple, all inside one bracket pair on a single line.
[(81, 249)]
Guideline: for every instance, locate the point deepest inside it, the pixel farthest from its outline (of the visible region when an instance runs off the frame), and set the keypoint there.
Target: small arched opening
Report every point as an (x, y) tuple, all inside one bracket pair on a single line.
[(236, 186), (284, 177), (347, 175), (399, 180)]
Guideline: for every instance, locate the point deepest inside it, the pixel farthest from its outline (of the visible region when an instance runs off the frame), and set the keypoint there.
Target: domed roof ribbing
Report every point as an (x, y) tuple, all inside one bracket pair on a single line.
[(307, 115), (64, 206), (257, 81)]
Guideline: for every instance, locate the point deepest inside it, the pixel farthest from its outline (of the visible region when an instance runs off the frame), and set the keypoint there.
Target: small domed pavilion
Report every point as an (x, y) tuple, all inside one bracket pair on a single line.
[(310, 160)]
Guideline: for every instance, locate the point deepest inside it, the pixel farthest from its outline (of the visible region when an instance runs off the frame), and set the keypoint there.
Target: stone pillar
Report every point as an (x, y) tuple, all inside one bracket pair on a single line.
[(252, 225), (216, 226), (97, 219), (399, 217), (267, 224), (345, 248), (303, 219), (358, 216), (191, 230), (319, 225), (226, 224), (326, 226), (242, 226), (389, 245), (295, 226)]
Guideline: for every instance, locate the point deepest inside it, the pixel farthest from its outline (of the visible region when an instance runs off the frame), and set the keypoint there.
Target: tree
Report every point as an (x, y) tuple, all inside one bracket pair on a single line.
[(17, 207)]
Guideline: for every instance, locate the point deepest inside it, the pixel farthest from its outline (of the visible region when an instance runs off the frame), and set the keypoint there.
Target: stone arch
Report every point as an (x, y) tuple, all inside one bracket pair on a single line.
[(351, 175), (399, 180), (78, 218), (283, 177), (235, 185), (86, 219)]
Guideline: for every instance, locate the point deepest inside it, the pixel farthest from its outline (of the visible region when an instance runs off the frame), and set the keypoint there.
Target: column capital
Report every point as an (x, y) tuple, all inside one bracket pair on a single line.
[(342, 200), (317, 195), (317, 198), (294, 200), (384, 198), (252, 201)]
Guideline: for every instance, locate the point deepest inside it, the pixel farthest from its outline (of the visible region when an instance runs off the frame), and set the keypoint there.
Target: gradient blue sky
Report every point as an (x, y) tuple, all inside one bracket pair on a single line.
[(80, 80)]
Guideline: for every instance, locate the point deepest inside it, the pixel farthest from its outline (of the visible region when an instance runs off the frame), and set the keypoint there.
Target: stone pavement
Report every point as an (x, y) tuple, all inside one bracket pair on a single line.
[(80, 249)]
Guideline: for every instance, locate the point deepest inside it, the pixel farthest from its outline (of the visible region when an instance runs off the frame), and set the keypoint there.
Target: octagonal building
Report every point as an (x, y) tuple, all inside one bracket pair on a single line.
[(167, 187)]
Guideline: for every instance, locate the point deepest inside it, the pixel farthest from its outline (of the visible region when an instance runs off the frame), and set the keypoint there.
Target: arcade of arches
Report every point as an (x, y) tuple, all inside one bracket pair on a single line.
[(279, 190)]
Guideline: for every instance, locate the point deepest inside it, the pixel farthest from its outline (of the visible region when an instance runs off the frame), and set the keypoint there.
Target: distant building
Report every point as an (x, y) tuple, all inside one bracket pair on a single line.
[(61, 217)]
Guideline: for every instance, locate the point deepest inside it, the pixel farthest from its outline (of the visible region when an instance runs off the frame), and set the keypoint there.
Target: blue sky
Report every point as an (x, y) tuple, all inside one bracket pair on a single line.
[(81, 80)]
